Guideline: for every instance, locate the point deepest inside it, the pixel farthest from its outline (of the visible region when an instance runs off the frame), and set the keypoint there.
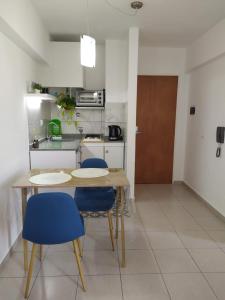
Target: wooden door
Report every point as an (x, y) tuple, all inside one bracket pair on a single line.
[(156, 114)]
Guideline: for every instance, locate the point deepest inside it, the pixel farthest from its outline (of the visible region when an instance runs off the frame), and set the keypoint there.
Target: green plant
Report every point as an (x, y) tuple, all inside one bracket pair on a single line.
[(36, 86), (67, 107)]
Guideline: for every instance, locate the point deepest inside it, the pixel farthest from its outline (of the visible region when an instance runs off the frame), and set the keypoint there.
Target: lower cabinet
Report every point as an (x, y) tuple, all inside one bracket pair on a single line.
[(52, 159), (112, 153), (114, 156)]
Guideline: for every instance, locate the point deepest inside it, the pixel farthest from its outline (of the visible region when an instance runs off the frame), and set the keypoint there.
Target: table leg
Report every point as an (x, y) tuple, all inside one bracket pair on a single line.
[(35, 190), (25, 243), (122, 200), (40, 246), (117, 211)]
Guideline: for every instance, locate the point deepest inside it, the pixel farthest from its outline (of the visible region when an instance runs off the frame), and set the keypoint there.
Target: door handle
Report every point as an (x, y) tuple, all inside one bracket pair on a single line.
[(139, 132)]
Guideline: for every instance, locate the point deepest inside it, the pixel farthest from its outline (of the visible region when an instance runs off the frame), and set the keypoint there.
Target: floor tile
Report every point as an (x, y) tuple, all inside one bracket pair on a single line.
[(184, 223), (101, 288), (12, 288), (196, 239), (144, 287), (211, 223), (218, 236), (100, 262), (67, 247), (14, 267), (209, 260), (216, 281), (97, 224), (19, 246), (133, 223), (188, 287), (175, 261), (59, 264), (97, 240), (54, 288), (156, 224), (164, 240), (139, 262), (135, 240)]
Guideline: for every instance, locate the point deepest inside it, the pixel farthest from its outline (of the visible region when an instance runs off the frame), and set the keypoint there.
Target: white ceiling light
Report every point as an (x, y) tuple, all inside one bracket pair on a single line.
[(87, 51), (87, 48)]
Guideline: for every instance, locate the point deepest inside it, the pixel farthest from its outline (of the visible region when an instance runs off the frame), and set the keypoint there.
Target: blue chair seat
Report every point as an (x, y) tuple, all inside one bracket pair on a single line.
[(52, 218), (95, 199)]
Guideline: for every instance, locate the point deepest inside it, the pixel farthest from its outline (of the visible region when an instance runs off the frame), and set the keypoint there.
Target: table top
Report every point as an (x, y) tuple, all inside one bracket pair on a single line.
[(115, 178)]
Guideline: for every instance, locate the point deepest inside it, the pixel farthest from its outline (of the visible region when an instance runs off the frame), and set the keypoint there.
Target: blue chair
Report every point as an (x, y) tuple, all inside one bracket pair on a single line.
[(96, 199), (52, 218)]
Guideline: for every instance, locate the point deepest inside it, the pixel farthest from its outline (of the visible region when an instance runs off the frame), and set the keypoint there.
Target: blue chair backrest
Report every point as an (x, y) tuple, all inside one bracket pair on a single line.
[(52, 218), (94, 163)]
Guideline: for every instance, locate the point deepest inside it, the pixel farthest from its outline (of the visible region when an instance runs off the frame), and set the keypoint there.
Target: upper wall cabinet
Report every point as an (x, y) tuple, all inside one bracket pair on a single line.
[(64, 69), (116, 70), (94, 78)]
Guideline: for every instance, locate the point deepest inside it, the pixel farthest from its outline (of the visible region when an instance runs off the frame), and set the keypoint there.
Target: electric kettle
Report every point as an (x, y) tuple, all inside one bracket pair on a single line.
[(115, 133)]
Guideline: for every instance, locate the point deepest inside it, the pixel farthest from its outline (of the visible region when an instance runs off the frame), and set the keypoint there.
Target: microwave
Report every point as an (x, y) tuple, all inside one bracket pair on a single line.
[(87, 98)]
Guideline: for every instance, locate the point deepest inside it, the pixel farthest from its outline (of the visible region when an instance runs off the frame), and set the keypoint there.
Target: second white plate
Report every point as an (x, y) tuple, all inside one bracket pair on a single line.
[(89, 172)]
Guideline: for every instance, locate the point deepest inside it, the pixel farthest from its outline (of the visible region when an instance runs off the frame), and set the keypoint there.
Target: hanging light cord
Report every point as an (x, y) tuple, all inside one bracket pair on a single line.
[(87, 18), (120, 10)]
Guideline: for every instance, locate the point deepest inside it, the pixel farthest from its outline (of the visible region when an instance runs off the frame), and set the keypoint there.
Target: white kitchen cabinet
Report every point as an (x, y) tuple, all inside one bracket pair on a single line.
[(114, 156), (64, 69), (90, 150), (52, 159), (116, 70), (112, 153)]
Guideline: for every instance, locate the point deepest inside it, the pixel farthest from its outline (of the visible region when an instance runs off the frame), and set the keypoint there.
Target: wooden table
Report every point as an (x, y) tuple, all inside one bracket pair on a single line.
[(115, 178)]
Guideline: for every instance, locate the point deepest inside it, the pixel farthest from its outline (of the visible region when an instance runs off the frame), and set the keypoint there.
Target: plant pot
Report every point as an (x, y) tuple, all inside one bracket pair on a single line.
[(37, 91)]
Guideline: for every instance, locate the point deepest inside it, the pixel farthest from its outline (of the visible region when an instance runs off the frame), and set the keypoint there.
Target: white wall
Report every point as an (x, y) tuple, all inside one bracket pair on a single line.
[(203, 171), (208, 47), (21, 23), (16, 69), (206, 63), (170, 61)]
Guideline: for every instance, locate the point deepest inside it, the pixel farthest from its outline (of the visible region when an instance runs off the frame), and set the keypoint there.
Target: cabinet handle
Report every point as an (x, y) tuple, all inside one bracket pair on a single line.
[(106, 151)]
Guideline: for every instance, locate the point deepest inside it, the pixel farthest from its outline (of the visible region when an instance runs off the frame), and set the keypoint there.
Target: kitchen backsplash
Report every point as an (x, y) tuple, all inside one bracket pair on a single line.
[(38, 118), (93, 120), (90, 120)]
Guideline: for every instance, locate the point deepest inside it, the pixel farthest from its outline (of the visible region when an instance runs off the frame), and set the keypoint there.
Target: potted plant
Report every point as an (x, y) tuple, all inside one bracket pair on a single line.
[(36, 87), (67, 107)]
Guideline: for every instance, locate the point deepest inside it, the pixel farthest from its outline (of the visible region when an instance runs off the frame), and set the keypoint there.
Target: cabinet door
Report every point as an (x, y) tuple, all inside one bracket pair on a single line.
[(52, 159), (65, 69), (92, 151), (114, 156)]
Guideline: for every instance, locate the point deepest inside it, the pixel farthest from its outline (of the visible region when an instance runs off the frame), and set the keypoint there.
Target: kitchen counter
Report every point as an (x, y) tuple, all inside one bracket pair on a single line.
[(68, 144), (63, 145)]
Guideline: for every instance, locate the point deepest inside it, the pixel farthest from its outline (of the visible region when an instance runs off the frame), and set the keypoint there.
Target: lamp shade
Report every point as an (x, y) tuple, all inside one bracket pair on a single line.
[(87, 51)]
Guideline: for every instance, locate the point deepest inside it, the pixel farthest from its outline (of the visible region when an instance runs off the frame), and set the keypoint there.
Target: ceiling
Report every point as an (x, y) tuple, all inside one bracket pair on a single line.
[(174, 23)]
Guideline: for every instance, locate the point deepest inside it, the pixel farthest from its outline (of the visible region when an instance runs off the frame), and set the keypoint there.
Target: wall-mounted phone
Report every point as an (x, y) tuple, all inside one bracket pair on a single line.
[(220, 132)]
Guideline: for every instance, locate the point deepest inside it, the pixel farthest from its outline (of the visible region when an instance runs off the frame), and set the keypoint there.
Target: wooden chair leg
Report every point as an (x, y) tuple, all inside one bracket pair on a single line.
[(80, 248), (117, 212), (25, 255), (29, 276), (109, 214), (41, 252), (79, 264)]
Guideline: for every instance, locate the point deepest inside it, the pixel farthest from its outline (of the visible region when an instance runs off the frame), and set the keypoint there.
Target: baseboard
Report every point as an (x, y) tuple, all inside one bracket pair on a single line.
[(213, 209)]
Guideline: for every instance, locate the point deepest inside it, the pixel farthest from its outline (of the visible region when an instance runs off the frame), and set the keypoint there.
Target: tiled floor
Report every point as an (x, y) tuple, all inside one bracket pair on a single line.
[(175, 250)]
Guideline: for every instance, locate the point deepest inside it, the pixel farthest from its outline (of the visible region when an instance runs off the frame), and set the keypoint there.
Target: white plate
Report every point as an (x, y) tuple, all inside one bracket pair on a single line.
[(90, 172), (50, 178)]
